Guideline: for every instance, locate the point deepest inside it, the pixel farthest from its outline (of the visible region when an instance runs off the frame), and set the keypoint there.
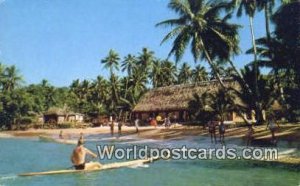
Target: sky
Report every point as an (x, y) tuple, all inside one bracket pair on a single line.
[(64, 40)]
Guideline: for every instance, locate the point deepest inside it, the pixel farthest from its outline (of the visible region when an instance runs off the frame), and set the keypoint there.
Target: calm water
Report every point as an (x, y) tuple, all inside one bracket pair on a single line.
[(29, 155)]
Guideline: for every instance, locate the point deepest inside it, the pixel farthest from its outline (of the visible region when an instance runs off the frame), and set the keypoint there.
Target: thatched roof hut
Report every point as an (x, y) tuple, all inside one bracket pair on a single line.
[(176, 97)]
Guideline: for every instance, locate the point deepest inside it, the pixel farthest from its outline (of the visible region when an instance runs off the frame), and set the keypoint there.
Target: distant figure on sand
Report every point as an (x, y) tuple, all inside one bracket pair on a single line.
[(112, 125), (61, 135), (212, 130), (153, 122), (136, 123), (273, 126), (222, 132), (119, 128), (167, 122), (249, 135), (78, 157)]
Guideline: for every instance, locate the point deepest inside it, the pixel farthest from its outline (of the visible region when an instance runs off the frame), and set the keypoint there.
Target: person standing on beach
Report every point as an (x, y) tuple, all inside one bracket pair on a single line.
[(272, 126), (212, 130), (78, 157), (249, 135), (136, 123), (61, 135), (119, 128), (222, 132), (167, 122), (112, 125)]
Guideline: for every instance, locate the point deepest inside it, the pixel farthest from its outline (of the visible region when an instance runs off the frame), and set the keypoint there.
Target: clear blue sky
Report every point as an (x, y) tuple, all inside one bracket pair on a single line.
[(62, 40)]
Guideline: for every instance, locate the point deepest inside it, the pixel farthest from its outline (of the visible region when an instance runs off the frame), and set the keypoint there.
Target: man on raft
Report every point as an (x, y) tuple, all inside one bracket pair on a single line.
[(78, 157)]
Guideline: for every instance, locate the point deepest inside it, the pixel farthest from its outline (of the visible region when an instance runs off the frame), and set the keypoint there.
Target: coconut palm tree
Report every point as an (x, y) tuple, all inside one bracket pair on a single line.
[(266, 95), (145, 58), (199, 74), (267, 6), (199, 107), (111, 61), (155, 73), (128, 63), (11, 78), (169, 73), (185, 74), (200, 24)]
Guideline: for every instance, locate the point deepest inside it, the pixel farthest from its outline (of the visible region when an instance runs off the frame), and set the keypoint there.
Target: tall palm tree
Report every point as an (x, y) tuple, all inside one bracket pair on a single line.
[(145, 58), (128, 63), (200, 24), (267, 6), (155, 73), (265, 97), (11, 78), (199, 74), (250, 7), (185, 74), (169, 73), (112, 62)]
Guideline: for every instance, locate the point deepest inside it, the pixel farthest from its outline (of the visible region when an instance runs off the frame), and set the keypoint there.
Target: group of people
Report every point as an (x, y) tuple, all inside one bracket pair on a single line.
[(212, 125), (112, 122)]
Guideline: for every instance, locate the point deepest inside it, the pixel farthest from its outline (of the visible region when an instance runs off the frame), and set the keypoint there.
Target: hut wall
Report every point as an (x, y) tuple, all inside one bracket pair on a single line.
[(60, 119), (79, 118), (71, 118)]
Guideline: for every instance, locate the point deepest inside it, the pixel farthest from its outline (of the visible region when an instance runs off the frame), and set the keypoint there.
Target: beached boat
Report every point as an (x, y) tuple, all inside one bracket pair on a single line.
[(104, 167), (50, 139)]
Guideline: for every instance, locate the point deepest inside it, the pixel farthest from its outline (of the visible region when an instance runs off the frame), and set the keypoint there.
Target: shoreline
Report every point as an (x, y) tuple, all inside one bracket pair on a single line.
[(286, 132)]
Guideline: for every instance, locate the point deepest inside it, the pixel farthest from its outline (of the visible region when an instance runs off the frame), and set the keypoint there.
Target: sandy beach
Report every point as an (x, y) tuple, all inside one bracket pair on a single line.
[(286, 132)]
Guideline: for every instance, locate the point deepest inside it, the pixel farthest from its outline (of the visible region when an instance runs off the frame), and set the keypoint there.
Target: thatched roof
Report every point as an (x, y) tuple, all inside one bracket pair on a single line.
[(60, 112), (176, 97)]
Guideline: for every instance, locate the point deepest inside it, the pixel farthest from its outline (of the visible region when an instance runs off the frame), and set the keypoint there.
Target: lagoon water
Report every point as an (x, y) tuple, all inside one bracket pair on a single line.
[(30, 155)]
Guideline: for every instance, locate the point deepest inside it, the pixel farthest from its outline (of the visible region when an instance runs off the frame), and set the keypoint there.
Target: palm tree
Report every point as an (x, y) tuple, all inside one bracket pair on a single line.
[(250, 6), (155, 73), (146, 58), (11, 78), (111, 61), (199, 74), (128, 63), (199, 107), (185, 74), (222, 104), (200, 24), (265, 97), (169, 73), (267, 6)]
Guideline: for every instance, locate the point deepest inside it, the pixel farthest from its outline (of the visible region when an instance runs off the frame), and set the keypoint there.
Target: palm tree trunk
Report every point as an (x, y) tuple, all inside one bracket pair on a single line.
[(212, 65), (267, 20), (255, 67)]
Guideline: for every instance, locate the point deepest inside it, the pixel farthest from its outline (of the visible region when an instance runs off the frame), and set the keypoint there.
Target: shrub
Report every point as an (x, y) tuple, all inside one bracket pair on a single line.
[(65, 125)]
